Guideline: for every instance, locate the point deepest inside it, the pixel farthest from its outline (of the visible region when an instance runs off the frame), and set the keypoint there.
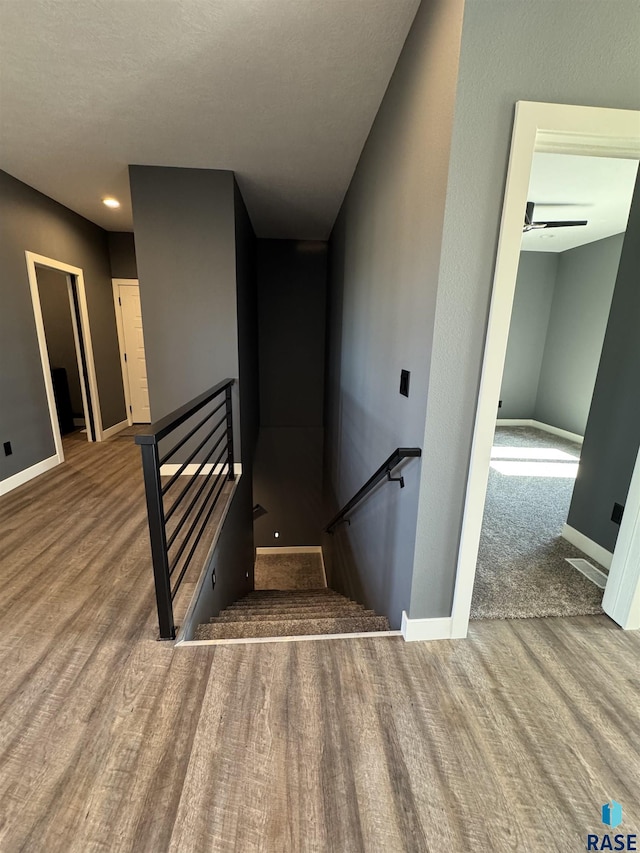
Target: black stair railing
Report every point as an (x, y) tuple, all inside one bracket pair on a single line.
[(383, 472), (176, 530)]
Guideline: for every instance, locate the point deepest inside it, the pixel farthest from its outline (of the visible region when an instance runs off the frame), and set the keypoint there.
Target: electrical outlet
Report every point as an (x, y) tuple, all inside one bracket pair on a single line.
[(8, 450), (499, 404), (404, 382), (616, 515)]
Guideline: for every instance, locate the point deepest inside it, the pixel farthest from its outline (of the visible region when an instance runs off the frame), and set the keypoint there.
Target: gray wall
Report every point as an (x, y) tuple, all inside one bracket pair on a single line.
[(247, 306), (292, 283), (292, 297), (194, 247), (58, 328), (612, 436), (527, 333), (31, 221), (122, 254), (579, 314), (385, 254), (574, 52), (287, 482), (185, 247)]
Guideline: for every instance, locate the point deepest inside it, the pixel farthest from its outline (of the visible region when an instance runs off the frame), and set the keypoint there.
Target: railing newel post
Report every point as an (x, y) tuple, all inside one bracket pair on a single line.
[(158, 537), (229, 410)]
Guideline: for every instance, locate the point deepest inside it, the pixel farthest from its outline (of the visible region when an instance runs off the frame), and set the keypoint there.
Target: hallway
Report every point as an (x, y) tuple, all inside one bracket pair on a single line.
[(112, 741)]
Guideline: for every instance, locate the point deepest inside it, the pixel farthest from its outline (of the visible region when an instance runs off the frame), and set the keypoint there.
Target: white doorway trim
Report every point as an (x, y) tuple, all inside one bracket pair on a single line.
[(115, 284), (32, 259), (562, 129)]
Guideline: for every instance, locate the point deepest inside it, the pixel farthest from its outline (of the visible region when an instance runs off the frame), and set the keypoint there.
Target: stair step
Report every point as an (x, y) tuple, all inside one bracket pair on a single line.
[(291, 612), (288, 593), (277, 616), (290, 627), (305, 608)]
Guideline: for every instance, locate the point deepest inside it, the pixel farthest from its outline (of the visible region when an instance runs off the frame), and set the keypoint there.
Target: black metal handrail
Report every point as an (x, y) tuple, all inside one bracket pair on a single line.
[(196, 512), (383, 471)]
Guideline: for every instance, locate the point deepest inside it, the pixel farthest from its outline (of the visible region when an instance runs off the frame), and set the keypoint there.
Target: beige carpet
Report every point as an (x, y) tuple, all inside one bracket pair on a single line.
[(291, 599), (522, 571), (291, 613), (289, 571)]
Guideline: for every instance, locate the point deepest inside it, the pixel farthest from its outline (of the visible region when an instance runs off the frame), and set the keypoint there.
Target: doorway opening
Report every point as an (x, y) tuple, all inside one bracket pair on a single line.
[(534, 558), (560, 129), (126, 297), (64, 339)]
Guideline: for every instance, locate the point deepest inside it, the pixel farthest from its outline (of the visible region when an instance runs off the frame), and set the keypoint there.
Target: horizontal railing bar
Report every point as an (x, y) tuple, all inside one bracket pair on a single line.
[(387, 466), (197, 540), (192, 455), (194, 501), (160, 429), (191, 432), (193, 478), (172, 538)]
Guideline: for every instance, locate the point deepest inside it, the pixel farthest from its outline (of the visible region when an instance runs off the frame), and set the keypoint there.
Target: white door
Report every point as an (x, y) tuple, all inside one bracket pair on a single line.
[(135, 364)]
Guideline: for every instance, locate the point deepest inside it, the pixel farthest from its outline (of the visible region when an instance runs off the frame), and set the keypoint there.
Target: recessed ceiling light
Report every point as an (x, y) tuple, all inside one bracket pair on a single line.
[(111, 202)]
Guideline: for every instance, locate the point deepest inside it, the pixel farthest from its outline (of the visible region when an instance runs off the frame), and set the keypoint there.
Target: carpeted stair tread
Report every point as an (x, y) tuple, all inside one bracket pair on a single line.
[(304, 612), (279, 616), (261, 607), (291, 627), (291, 593)]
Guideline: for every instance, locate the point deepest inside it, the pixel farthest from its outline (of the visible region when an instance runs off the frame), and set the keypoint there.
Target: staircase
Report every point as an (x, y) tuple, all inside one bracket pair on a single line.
[(291, 613)]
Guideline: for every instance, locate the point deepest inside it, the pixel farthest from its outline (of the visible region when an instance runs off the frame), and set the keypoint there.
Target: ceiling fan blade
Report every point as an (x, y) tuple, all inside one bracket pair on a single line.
[(528, 214), (567, 223)]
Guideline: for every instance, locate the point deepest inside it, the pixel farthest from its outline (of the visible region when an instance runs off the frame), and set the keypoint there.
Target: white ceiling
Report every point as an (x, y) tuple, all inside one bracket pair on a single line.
[(283, 92), (566, 186)]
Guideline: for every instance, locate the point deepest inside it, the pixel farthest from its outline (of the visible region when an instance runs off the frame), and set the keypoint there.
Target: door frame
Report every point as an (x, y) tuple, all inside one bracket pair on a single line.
[(116, 283), (554, 128), (32, 260)]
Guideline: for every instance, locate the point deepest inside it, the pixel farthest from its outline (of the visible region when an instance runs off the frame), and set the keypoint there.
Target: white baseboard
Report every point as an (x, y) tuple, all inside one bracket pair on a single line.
[(170, 469), (587, 546), (427, 629), (10, 483), (114, 430), (528, 422), (359, 635)]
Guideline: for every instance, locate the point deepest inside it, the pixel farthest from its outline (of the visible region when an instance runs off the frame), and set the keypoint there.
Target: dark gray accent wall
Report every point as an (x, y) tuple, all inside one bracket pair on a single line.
[(122, 254), (612, 436), (574, 52), (247, 299), (292, 295), (34, 222), (385, 257), (287, 483), (184, 227), (579, 313), (58, 328), (527, 333)]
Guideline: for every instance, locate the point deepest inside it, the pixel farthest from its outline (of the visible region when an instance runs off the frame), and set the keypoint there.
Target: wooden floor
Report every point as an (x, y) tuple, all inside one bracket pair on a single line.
[(111, 741)]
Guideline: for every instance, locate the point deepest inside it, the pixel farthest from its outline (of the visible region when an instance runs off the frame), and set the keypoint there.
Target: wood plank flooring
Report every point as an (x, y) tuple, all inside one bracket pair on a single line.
[(111, 741)]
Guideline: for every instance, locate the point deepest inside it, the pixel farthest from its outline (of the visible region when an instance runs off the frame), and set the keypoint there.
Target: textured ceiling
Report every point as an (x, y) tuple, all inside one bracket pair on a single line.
[(283, 92), (598, 189)]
